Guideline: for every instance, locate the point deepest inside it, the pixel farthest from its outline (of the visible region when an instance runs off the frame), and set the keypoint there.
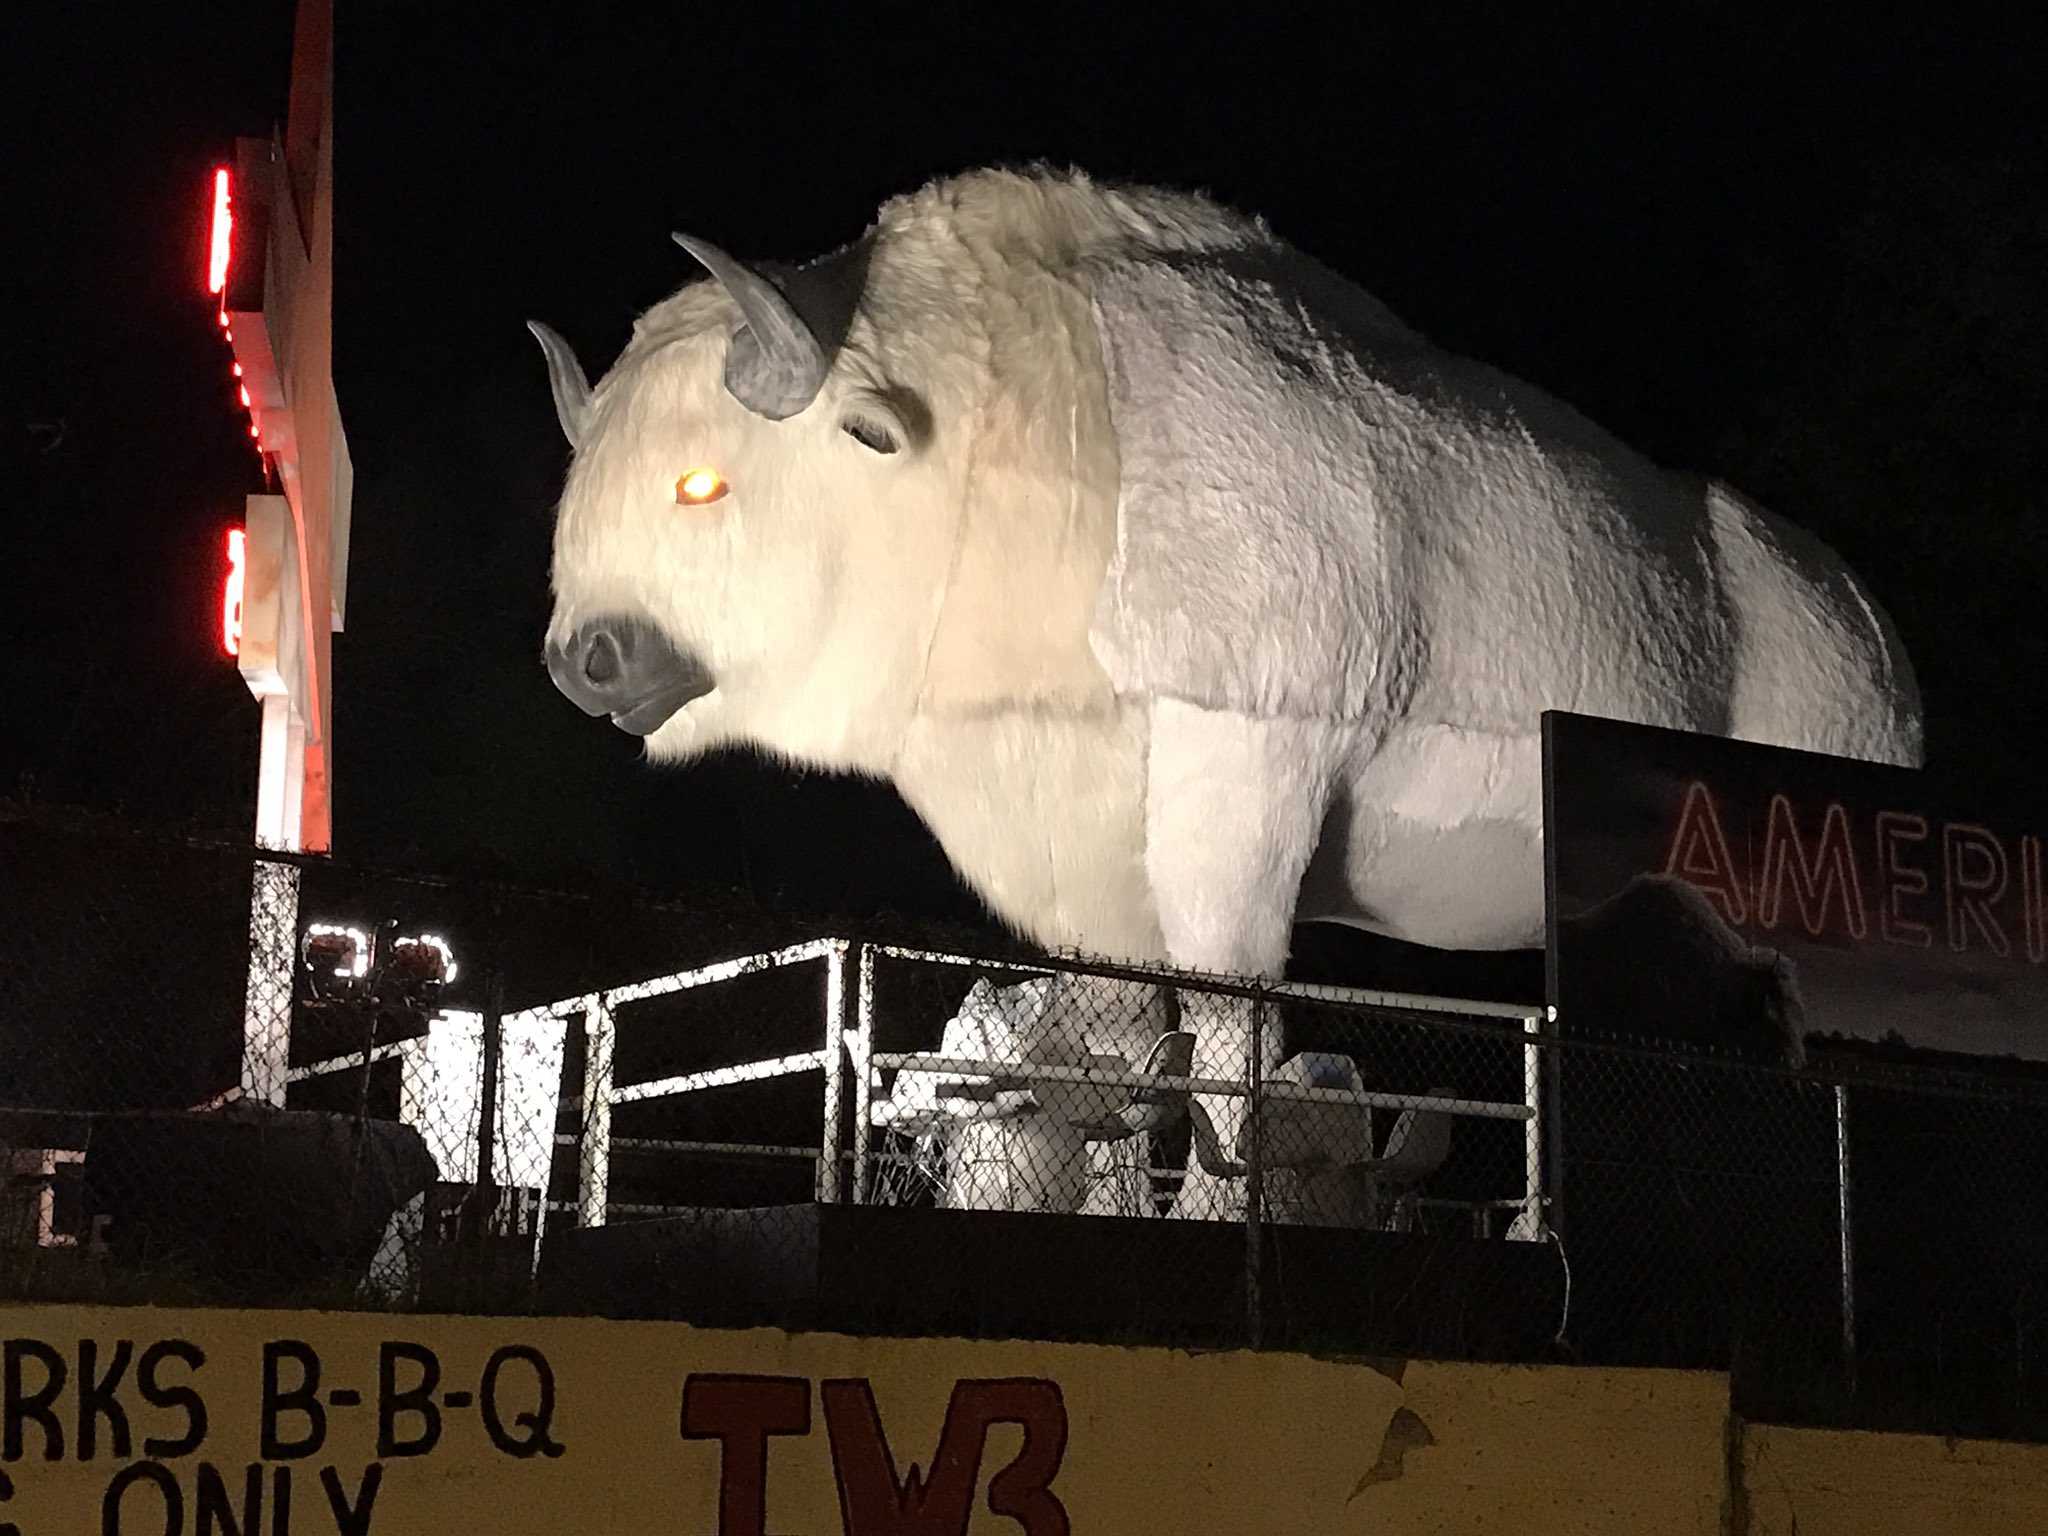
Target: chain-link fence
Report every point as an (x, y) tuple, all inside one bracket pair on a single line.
[(234, 1078)]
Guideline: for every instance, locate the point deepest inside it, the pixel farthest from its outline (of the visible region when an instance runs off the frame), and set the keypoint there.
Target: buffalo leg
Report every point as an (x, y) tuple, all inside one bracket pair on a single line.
[(1233, 809)]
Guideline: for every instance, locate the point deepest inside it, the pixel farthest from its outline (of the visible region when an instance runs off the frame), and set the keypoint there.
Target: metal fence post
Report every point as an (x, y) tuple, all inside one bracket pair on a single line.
[(1843, 1219), (863, 1068), (1554, 1118), (273, 960), (1254, 1172), (594, 1150), (831, 1172), (1534, 1214), (482, 1202)]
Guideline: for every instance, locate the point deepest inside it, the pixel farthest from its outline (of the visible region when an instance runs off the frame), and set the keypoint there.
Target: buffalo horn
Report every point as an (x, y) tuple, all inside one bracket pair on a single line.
[(565, 381), (774, 365)]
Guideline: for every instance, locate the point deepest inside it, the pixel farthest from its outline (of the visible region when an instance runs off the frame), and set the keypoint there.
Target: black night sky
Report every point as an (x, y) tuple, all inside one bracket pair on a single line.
[(1803, 248)]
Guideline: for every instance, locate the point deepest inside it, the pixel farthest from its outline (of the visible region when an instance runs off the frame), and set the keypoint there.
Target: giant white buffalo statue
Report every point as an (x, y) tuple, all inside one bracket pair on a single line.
[(1182, 589)]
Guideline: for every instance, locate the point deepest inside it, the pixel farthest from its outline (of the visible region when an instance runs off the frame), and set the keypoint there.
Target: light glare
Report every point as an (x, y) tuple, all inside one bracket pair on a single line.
[(231, 592), (354, 958), (435, 942)]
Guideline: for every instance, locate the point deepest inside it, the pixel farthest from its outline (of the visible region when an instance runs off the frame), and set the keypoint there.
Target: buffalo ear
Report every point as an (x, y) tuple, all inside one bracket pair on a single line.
[(873, 430), (886, 421)]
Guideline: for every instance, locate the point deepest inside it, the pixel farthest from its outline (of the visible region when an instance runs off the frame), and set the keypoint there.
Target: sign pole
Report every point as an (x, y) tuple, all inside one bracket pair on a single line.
[(270, 277)]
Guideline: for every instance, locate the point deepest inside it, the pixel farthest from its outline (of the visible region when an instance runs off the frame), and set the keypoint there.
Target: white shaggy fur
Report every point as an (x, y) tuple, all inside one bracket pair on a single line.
[(1214, 598)]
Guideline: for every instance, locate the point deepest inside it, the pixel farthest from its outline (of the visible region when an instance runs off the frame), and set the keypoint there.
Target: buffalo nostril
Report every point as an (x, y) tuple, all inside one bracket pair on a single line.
[(601, 661), (629, 670)]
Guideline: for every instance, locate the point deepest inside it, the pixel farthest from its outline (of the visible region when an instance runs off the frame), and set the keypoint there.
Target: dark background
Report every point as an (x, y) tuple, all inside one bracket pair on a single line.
[(1802, 248)]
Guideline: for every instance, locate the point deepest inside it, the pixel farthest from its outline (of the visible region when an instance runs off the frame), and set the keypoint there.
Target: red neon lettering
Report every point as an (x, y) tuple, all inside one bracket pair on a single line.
[(1816, 880), (740, 1413), (1699, 853), (873, 1501), (1893, 926), (1970, 894), (231, 592)]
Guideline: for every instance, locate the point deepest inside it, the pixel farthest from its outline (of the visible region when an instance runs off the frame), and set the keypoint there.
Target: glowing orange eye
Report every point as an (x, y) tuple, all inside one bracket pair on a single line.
[(699, 486)]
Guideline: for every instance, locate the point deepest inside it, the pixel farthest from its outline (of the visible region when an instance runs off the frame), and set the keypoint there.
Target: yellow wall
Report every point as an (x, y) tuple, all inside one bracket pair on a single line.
[(1134, 1441), (1155, 1440), (1818, 1482), (1540, 1449)]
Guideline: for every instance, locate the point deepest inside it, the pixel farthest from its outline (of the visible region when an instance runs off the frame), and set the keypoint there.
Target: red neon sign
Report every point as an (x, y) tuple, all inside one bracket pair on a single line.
[(231, 592), (1922, 880), (223, 228)]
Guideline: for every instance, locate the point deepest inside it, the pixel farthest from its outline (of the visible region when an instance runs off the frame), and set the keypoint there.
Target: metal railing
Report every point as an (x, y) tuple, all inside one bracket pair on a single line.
[(845, 1155)]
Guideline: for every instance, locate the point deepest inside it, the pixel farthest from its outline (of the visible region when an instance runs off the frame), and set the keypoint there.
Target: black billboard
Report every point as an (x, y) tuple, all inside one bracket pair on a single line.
[(1787, 895)]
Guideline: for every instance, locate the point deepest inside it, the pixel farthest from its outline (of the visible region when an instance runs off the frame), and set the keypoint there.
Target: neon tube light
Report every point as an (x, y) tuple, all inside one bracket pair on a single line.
[(223, 229)]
